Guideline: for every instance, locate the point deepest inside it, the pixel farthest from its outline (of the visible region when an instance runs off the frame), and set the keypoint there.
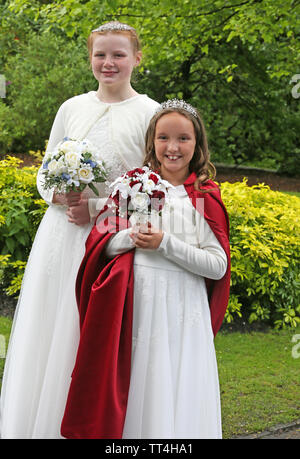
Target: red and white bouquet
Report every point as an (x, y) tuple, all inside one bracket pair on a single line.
[(140, 193)]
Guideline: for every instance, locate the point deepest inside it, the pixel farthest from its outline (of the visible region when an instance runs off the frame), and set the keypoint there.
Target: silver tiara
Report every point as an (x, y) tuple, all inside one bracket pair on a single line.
[(176, 103), (114, 25)]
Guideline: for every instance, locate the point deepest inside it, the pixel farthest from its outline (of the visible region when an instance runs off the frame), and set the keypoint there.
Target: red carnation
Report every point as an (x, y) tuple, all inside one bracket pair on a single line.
[(134, 172), (134, 182), (154, 178)]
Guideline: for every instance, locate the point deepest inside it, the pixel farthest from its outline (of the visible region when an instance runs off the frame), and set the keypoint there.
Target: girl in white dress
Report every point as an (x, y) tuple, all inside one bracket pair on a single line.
[(45, 330), (157, 348), (174, 390)]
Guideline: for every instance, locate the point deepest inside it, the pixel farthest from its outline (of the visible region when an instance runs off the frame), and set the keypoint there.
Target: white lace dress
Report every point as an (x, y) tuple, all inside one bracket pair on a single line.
[(174, 388), (45, 333)]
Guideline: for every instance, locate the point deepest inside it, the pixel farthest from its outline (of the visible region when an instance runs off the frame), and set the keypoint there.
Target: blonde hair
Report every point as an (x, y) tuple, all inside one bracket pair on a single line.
[(200, 162), (130, 33)]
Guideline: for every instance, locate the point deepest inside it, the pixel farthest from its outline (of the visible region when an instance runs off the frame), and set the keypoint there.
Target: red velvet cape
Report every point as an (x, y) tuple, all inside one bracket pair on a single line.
[(216, 216), (97, 399)]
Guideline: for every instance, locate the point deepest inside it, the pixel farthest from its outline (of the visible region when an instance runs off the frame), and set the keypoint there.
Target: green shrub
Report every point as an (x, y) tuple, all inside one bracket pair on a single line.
[(47, 70), (21, 210), (265, 251)]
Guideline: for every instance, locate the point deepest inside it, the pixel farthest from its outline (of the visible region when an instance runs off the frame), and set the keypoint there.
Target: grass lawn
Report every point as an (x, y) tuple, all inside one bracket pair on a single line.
[(5, 326), (294, 193), (259, 378)]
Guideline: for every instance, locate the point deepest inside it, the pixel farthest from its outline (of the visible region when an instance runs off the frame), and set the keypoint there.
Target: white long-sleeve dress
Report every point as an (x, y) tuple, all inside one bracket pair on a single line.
[(45, 332), (174, 386)]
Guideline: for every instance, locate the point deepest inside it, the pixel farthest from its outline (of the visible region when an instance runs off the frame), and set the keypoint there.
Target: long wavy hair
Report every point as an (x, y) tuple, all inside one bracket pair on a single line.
[(200, 162)]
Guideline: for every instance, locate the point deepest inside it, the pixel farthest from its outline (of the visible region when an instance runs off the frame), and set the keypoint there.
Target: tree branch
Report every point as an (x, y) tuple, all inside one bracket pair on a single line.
[(237, 5)]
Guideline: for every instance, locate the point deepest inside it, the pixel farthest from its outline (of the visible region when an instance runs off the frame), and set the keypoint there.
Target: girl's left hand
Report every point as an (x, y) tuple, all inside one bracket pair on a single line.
[(79, 214), (148, 239)]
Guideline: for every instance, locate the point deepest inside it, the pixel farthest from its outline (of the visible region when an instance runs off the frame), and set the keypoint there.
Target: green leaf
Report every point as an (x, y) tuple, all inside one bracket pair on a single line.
[(93, 188)]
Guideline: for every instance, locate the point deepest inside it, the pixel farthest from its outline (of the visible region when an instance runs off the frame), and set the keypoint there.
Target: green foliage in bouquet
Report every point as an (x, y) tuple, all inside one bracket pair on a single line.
[(265, 250), (21, 210)]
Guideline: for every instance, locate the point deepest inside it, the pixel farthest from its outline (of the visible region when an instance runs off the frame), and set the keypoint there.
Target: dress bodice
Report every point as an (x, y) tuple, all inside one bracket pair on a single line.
[(180, 218), (100, 136), (117, 129)]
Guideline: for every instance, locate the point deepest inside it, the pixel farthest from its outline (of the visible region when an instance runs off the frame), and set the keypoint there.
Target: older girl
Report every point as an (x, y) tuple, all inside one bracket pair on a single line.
[(45, 333)]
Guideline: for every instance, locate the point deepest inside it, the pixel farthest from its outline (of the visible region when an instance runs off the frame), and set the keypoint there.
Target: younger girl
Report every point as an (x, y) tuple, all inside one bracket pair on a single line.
[(45, 334), (153, 342)]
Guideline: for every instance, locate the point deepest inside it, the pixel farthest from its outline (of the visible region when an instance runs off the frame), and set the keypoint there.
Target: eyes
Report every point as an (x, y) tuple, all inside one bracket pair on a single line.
[(114, 56), (182, 138)]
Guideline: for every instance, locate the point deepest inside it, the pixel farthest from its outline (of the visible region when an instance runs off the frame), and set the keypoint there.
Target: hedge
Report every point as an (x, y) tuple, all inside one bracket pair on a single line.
[(265, 251), (264, 238)]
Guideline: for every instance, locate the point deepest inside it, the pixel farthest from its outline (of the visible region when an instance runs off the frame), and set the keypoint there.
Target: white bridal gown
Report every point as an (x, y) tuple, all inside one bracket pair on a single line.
[(174, 388), (45, 333)]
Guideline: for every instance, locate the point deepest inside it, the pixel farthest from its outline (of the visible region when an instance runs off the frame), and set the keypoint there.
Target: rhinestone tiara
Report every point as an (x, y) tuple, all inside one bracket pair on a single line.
[(176, 103), (114, 25)]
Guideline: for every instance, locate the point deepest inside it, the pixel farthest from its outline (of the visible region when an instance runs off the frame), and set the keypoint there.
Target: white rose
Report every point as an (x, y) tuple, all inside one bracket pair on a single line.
[(67, 146), (140, 202), (85, 175), (53, 167), (61, 166), (148, 185), (72, 159)]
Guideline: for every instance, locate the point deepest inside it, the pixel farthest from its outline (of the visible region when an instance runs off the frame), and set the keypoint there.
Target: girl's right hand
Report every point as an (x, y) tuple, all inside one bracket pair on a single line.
[(73, 198), (147, 237), (70, 199)]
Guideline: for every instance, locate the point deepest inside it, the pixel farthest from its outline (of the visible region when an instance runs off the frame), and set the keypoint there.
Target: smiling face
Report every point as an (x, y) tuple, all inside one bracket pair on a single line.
[(113, 59), (174, 144)]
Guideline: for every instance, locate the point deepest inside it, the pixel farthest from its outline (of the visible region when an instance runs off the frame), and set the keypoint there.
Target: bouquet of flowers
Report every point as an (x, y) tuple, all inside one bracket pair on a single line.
[(73, 165), (140, 193)]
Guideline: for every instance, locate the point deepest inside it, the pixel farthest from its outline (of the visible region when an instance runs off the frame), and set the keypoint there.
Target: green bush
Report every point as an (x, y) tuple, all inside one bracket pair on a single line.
[(264, 237), (265, 251), (21, 210), (47, 70)]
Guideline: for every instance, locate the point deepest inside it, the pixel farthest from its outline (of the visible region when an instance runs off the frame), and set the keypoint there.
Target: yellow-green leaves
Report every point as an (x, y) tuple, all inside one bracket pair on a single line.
[(20, 213), (265, 251)]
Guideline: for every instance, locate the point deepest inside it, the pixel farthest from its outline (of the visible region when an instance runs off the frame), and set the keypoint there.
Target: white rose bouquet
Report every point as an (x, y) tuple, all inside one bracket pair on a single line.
[(73, 165), (139, 193)]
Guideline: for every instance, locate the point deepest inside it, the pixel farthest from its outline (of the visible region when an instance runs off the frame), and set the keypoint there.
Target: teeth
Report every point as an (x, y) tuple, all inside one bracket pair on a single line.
[(173, 158)]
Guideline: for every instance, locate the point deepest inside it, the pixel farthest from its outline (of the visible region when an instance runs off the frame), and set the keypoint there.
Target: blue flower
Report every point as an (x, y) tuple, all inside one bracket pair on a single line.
[(45, 165), (65, 176), (91, 163)]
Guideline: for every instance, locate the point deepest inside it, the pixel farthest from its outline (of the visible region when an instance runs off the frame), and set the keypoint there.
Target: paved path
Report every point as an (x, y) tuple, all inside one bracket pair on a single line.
[(281, 432)]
